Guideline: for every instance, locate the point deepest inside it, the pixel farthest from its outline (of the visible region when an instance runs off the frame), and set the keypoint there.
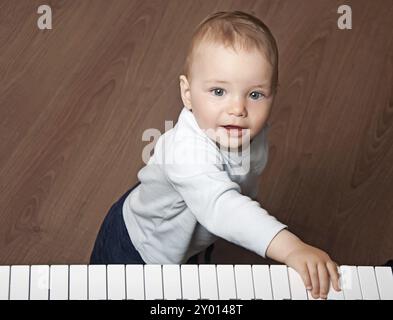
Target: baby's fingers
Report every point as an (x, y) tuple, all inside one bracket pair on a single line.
[(334, 275), (323, 280), (303, 272), (313, 271)]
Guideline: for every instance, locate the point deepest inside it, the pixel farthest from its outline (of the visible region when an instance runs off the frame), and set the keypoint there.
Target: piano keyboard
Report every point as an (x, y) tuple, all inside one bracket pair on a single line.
[(188, 281)]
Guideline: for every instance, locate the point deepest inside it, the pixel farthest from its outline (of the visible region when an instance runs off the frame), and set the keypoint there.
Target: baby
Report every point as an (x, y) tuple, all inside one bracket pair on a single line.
[(191, 191)]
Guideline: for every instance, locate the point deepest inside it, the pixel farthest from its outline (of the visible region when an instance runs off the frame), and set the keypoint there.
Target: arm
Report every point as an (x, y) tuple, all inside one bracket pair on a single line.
[(217, 204), (216, 201), (314, 265)]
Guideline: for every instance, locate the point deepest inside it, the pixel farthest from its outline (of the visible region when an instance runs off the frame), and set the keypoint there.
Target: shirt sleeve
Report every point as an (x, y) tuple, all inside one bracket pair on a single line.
[(217, 203), (254, 187)]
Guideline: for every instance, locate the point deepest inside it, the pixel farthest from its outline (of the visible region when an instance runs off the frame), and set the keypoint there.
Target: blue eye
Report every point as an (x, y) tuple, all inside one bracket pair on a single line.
[(260, 94), (217, 89)]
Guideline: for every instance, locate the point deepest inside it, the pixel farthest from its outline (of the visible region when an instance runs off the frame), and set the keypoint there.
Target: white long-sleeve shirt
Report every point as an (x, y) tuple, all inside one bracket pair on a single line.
[(183, 205)]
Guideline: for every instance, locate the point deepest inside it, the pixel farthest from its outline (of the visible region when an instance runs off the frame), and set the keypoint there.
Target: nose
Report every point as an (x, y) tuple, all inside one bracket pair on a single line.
[(237, 107)]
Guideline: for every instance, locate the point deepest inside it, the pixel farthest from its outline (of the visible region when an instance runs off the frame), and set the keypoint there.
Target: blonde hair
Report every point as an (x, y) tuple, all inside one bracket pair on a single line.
[(231, 29)]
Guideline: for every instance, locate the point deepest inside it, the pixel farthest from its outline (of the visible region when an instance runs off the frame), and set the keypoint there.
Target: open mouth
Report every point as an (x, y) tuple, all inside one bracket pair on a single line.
[(234, 130)]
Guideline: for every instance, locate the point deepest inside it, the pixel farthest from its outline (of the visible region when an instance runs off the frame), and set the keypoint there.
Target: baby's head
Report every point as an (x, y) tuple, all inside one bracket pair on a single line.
[(230, 76)]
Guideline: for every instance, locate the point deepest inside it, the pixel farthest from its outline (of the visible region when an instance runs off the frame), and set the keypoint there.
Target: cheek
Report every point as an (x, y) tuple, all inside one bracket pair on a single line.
[(204, 103), (258, 119), (205, 117), (199, 102), (207, 110)]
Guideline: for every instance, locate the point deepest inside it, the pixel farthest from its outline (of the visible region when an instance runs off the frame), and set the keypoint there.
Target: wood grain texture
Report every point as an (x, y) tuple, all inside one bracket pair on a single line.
[(75, 100)]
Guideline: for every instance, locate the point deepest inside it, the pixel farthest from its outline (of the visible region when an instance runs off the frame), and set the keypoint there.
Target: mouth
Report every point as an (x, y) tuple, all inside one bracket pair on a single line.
[(234, 130), (233, 127)]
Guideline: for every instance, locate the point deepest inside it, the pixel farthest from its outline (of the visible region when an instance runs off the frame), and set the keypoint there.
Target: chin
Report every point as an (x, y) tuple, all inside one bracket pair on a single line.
[(233, 143)]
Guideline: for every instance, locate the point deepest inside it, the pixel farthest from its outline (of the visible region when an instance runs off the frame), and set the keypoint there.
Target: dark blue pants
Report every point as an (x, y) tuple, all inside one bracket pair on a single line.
[(113, 244)]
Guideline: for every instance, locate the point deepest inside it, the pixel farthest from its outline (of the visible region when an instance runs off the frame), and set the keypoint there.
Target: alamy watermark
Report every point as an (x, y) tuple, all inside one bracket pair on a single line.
[(345, 20), (198, 149), (45, 19)]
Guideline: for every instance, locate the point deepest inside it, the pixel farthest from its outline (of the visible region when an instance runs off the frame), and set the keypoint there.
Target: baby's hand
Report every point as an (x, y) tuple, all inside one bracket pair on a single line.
[(315, 268)]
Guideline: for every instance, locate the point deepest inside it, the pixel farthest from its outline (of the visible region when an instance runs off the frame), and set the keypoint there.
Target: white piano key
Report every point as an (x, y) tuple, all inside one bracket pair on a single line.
[(135, 282), (350, 283), (368, 283), (190, 281), (385, 282), (226, 282), (296, 285), (20, 283), (153, 281), (171, 281), (333, 294), (116, 281), (262, 282), (97, 282), (244, 282), (336, 295), (208, 281), (39, 282), (280, 283), (78, 282), (4, 282), (58, 282)]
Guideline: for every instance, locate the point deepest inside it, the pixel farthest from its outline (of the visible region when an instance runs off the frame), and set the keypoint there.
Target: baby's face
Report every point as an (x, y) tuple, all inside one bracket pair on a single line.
[(228, 88)]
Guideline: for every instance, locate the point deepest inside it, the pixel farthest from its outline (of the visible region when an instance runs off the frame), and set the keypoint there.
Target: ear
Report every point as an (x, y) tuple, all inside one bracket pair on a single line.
[(185, 92)]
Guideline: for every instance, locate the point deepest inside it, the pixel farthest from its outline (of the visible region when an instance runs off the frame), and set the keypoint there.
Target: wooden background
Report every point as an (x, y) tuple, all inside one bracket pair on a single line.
[(75, 100)]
